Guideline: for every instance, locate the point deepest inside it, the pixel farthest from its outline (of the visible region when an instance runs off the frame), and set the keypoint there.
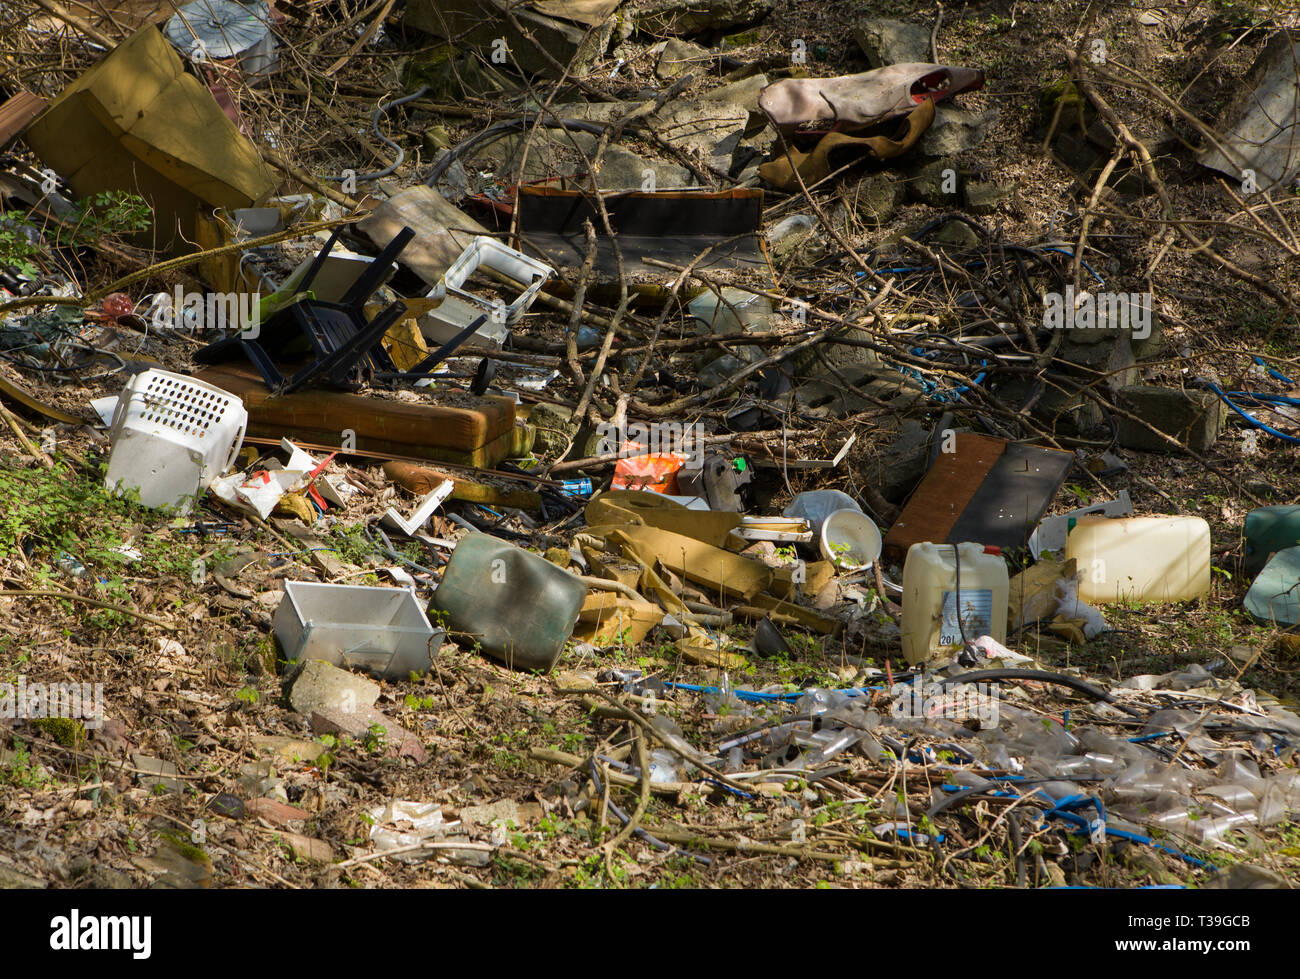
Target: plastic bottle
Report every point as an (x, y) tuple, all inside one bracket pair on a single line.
[(931, 602), (1144, 559)]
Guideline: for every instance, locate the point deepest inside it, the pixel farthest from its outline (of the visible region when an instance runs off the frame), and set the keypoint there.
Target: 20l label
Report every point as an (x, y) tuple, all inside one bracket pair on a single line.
[(976, 615)]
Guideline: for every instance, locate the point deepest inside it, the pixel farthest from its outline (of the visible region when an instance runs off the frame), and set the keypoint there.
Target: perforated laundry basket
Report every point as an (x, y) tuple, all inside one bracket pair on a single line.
[(171, 437)]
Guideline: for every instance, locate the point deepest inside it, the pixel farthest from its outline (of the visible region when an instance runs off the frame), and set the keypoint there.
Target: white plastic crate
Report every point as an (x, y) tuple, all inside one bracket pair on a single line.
[(171, 437)]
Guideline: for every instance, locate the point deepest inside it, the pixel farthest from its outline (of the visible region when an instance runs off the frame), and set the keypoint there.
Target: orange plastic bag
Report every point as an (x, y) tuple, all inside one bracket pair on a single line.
[(657, 473)]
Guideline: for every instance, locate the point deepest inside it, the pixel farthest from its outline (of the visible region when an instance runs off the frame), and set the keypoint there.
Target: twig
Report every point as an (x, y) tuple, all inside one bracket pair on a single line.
[(73, 596)]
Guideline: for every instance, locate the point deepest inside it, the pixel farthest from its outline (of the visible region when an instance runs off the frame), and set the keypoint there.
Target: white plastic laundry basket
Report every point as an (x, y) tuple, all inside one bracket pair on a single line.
[(171, 437)]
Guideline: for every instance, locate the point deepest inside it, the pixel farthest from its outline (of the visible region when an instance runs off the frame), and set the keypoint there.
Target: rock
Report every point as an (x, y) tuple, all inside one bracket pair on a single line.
[(1260, 121), (621, 169), (742, 39), (743, 93), (801, 248), (477, 27), (182, 865), (397, 740), (274, 812), (545, 157), (226, 804), (1195, 418), (958, 235), (102, 878), (1246, 876), (903, 464), (156, 773), (938, 184), (686, 17), (891, 42), (322, 686), (712, 130), (554, 424), (289, 749), (11, 878), (876, 197), (436, 138), (956, 130), (679, 57), (307, 848), (983, 197)]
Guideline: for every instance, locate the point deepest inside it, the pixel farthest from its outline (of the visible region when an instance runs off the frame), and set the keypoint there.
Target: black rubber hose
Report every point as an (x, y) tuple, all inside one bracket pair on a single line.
[(1043, 676), (374, 124)]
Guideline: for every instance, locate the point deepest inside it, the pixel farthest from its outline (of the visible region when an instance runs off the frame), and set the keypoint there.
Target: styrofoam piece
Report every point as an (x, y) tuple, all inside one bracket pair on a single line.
[(786, 530), (1050, 534), (337, 275), (422, 512), (381, 630), (485, 252), (171, 436)]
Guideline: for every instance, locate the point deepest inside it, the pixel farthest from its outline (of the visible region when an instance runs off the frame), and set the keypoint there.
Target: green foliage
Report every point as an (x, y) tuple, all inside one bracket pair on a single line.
[(16, 249), (99, 216), (110, 214), (18, 768)]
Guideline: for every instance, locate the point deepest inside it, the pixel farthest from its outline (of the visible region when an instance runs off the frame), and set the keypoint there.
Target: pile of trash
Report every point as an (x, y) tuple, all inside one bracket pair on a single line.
[(627, 393)]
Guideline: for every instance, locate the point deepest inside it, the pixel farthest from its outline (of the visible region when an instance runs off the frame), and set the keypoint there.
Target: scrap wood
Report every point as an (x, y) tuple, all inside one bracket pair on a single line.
[(74, 597), (421, 480)]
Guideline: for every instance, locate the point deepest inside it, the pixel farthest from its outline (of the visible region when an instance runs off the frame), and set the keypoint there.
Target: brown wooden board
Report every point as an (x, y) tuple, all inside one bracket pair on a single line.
[(388, 426), (1013, 497), (988, 491), (944, 493)]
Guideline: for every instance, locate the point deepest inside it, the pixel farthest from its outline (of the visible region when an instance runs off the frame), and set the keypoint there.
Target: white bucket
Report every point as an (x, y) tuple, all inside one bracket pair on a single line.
[(850, 540)]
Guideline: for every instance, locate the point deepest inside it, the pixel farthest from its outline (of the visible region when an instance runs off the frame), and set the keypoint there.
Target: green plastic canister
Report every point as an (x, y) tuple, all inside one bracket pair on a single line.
[(518, 607), (1268, 530)]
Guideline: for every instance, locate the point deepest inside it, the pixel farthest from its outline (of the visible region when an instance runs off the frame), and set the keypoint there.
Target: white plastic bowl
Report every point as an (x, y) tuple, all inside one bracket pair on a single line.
[(850, 540)]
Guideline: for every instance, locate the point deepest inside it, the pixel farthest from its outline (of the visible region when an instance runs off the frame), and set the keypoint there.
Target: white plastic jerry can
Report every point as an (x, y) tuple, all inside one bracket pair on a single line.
[(935, 615), (1143, 559)]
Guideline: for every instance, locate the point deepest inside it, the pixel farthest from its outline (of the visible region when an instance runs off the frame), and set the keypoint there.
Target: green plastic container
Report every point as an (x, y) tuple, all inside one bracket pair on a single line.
[(1274, 598), (518, 607), (1268, 530)]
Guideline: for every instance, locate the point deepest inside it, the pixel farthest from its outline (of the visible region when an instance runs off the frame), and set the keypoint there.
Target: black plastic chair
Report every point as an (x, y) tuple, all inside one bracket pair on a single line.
[(345, 348)]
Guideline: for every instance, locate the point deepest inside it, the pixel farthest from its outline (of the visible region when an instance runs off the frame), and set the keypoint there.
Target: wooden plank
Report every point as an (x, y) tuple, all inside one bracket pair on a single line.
[(1013, 497), (944, 493), (375, 421)]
